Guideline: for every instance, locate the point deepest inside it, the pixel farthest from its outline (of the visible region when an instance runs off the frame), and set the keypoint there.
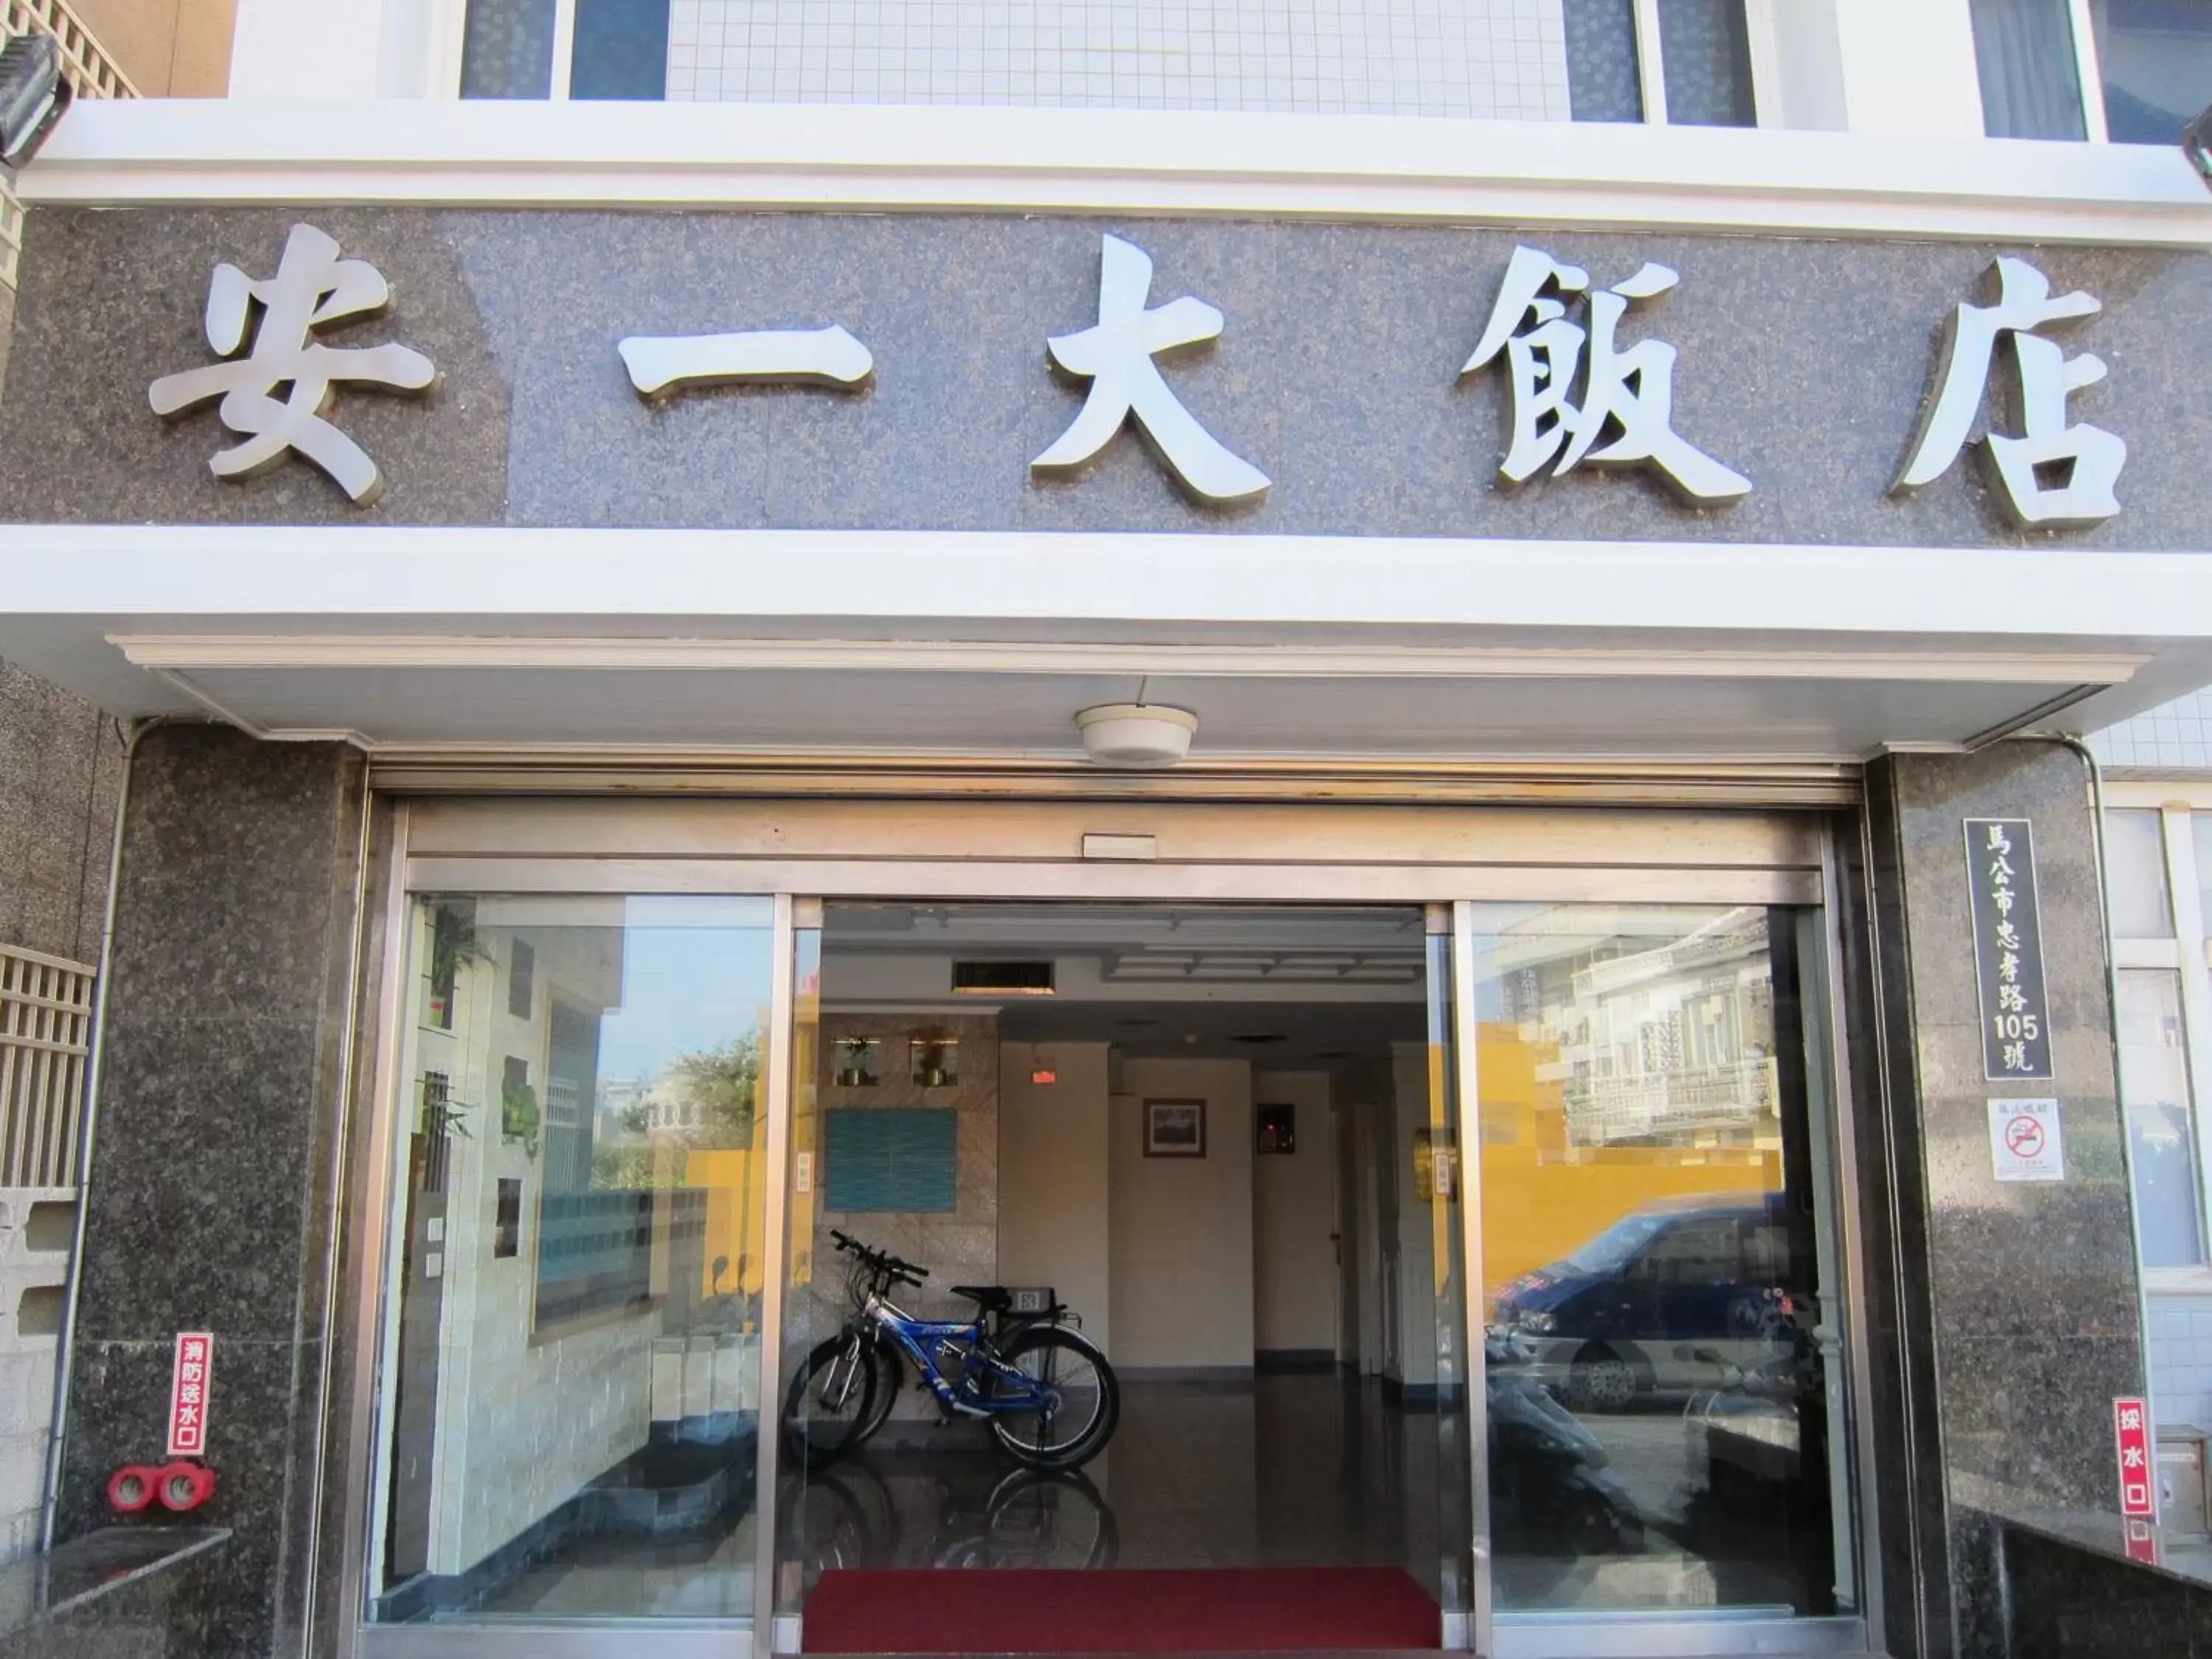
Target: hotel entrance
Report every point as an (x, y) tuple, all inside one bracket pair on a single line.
[(1043, 1227)]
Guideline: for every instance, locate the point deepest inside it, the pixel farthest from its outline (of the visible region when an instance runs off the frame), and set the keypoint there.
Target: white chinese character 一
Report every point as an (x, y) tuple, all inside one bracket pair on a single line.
[(312, 288)]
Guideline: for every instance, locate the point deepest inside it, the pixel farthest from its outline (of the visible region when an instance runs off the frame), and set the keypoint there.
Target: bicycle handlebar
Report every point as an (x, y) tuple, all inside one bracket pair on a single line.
[(882, 1262)]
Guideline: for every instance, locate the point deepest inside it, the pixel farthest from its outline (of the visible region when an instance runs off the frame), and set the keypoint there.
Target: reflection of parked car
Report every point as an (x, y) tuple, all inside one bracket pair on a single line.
[(1626, 1313)]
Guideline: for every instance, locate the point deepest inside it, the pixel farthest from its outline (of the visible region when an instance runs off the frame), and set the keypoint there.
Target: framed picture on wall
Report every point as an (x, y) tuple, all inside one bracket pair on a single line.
[(1175, 1129), (1278, 1129)]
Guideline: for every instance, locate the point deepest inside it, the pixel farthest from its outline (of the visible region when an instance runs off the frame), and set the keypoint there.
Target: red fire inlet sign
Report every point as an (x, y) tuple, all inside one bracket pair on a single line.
[(2131, 1427), (188, 1394)]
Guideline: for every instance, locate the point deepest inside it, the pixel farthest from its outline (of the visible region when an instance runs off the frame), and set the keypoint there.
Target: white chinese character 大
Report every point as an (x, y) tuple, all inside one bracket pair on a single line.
[(1625, 415), (312, 288), (1115, 355), (2055, 474)]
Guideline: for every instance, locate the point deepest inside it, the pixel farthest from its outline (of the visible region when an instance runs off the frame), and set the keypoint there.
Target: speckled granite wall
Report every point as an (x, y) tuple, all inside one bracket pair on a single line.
[(2017, 1302), (209, 1207), (1802, 365), (61, 764)]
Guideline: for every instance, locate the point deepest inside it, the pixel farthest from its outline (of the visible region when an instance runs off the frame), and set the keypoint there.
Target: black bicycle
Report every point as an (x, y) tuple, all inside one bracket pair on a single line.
[(1046, 1390)]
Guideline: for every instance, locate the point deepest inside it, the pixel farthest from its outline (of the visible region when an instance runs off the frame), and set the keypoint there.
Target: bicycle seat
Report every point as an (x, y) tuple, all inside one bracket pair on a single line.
[(992, 1299)]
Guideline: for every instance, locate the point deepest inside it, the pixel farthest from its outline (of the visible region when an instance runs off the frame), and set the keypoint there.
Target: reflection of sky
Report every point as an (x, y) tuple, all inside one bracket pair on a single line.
[(694, 974)]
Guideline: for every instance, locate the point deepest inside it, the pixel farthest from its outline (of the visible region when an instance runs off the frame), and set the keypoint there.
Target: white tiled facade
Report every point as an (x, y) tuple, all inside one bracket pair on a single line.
[(1503, 58), (2174, 736)]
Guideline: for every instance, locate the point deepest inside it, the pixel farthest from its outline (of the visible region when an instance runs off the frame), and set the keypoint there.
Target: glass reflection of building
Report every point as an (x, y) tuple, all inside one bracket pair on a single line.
[(1652, 1043)]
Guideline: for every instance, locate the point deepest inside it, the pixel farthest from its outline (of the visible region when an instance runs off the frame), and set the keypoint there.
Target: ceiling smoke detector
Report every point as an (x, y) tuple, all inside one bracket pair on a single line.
[(1136, 734)]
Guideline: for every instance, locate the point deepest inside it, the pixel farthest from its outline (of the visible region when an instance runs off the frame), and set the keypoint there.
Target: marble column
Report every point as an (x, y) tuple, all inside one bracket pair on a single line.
[(208, 1202), (2015, 1305)]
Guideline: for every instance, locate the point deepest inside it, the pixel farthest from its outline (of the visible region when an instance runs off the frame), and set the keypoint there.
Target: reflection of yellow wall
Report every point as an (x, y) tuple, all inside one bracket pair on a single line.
[(1542, 1198), (734, 1180)]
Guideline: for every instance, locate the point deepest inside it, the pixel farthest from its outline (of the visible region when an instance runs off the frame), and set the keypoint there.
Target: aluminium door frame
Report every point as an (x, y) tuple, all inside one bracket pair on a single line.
[(797, 884)]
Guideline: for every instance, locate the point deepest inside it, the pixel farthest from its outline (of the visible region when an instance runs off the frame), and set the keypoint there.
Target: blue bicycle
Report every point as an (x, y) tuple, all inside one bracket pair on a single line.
[(1046, 1390)]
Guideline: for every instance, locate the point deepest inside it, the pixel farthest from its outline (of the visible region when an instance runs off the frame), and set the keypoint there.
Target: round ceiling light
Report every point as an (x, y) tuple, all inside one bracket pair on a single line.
[(1136, 734)]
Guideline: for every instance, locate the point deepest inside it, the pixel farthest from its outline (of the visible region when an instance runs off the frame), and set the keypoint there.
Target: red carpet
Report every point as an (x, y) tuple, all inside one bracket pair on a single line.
[(1240, 1610)]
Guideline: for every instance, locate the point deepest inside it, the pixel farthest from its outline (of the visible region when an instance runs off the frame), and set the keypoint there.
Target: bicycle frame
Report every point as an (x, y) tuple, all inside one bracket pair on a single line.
[(1013, 1390)]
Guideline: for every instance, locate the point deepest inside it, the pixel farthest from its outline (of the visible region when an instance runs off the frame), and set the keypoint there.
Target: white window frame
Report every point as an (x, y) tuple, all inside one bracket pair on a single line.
[(450, 35), (2091, 73), (2188, 954)]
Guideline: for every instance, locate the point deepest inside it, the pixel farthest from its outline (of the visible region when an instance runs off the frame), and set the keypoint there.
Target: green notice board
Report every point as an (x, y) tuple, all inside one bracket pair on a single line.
[(890, 1159)]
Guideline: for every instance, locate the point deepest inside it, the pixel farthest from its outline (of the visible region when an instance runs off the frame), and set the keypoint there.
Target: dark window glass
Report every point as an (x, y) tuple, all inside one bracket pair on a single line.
[(506, 49), (2156, 56), (1705, 52), (1601, 83), (521, 980), (2031, 86), (622, 50)]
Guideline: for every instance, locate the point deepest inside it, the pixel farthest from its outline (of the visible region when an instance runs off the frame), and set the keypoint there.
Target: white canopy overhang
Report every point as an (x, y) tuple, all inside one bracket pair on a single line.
[(915, 643)]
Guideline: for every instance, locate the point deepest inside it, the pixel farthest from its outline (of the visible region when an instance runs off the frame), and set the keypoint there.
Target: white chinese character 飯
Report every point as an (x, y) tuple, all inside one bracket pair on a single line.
[(2055, 474), (1626, 412), (312, 288), (1115, 355)]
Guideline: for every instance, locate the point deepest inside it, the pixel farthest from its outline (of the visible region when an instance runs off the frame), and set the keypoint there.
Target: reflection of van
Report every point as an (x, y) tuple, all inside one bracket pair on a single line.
[(1624, 1313)]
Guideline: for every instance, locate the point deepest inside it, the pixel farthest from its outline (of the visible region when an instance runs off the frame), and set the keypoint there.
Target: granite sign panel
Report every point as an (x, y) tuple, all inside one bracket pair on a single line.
[(979, 372)]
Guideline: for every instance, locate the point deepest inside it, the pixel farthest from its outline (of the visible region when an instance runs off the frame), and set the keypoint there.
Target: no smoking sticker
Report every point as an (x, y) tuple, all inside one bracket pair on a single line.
[(2025, 1143)]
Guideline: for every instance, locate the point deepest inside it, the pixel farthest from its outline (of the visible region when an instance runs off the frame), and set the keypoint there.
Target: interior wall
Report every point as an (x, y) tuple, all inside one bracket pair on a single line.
[(1417, 1217), (960, 1247), (1053, 1226), (1180, 1239), (1363, 1092), (1294, 1199)]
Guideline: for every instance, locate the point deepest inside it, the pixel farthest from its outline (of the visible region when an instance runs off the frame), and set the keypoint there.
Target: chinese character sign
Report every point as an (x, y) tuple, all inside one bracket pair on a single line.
[(2138, 1477), (312, 288), (1627, 393), (1115, 355), (190, 1376), (2056, 473), (2008, 949), (1579, 395)]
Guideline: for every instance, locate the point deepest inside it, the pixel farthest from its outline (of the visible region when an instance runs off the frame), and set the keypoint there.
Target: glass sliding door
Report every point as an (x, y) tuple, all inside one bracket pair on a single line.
[(1661, 1277), (1442, 1166), (570, 1422)]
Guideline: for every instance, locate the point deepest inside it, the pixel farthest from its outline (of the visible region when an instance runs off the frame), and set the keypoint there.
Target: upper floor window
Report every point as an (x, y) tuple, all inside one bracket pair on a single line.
[(1688, 62), (2148, 65)]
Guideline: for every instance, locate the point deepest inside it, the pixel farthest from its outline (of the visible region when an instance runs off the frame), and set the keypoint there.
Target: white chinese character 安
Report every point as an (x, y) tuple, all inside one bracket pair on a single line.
[(1626, 414), (2055, 474), (312, 288), (1115, 355)]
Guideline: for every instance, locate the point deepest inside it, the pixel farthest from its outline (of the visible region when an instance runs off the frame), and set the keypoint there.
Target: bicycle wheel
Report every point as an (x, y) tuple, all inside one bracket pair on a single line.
[(1050, 1518), (1077, 1399), (830, 1405)]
